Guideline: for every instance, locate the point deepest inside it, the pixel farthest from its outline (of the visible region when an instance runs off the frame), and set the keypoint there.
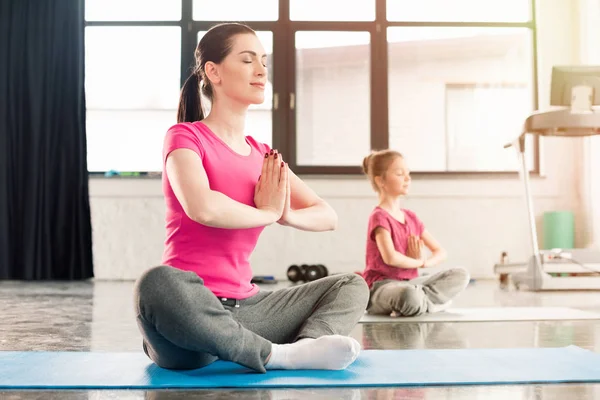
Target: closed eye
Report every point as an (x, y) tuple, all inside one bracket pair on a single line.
[(250, 62)]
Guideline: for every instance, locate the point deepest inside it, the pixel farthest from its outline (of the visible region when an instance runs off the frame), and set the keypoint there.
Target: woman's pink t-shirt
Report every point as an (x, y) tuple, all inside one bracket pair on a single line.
[(376, 269), (219, 256)]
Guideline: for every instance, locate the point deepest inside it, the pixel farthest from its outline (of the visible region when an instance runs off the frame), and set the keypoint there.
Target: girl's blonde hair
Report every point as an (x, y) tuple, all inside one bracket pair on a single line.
[(377, 164)]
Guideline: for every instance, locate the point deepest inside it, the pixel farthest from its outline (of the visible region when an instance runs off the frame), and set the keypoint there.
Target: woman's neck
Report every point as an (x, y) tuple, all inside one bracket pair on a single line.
[(228, 121)]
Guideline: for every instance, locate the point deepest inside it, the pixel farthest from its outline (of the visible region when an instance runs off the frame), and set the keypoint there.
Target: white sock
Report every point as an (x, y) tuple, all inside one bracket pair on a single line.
[(332, 352)]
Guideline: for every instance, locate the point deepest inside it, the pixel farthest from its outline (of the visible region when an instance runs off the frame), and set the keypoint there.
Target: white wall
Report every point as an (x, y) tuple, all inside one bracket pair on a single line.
[(127, 215)]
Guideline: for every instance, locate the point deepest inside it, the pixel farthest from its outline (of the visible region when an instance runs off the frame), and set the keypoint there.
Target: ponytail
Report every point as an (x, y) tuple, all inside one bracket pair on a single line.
[(190, 109)]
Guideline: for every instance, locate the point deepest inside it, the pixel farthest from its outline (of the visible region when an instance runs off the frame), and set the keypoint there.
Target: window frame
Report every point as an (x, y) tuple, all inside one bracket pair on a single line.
[(284, 77)]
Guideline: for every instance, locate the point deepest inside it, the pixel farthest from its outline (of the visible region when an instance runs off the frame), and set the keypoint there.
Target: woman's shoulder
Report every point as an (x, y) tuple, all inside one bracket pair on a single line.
[(196, 132), (183, 128), (182, 135)]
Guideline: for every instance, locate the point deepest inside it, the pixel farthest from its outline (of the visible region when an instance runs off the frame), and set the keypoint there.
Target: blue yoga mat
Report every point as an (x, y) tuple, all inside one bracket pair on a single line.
[(77, 370)]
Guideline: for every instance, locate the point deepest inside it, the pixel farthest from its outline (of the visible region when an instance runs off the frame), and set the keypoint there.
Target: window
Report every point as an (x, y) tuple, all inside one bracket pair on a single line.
[(332, 10), (459, 10), (132, 90), (446, 82), (332, 97), (235, 10), (468, 91), (133, 10), (480, 120)]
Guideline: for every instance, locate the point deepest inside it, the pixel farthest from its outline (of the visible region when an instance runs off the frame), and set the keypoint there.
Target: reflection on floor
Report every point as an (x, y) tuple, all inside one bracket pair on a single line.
[(98, 316)]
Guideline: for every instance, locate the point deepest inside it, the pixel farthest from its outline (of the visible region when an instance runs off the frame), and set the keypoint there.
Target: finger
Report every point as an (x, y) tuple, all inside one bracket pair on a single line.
[(289, 181), (288, 184), (273, 166), (276, 168), (280, 170), (269, 169), (284, 182), (263, 171)]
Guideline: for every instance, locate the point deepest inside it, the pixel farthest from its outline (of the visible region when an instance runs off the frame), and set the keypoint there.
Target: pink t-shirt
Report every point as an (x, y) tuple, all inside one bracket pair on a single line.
[(376, 269), (219, 256)]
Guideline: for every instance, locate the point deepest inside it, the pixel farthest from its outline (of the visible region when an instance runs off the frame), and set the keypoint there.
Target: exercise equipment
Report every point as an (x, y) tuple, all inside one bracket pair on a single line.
[(264, 279), (575, 90), (559, 230), (373, 368), (306, 273)]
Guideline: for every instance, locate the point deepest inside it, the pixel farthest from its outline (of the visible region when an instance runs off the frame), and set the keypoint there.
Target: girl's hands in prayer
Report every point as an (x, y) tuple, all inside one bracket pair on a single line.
[(415, 248)]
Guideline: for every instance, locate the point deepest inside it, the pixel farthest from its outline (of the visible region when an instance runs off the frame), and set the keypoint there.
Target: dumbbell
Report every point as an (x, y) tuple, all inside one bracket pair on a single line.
[(320, 271), (295, 273), (306, 273)]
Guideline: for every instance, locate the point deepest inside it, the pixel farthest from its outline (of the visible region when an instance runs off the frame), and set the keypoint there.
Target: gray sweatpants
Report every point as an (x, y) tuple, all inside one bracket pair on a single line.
[(185, 326), (427, 293)]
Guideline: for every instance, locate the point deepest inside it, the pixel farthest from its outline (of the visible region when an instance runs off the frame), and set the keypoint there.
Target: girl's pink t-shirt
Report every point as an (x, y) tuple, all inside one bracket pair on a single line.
[(376, 269), (219, 256)]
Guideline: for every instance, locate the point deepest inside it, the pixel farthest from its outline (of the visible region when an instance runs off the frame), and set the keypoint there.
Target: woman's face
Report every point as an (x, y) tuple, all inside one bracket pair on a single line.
[(242, 75)]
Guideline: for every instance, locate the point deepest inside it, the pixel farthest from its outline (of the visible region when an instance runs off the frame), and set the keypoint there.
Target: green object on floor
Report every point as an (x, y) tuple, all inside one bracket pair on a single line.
[(559, 230)]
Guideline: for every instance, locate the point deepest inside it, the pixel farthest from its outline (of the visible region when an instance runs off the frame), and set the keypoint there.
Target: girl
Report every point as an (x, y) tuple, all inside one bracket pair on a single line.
[(395, 248), (221, 189)]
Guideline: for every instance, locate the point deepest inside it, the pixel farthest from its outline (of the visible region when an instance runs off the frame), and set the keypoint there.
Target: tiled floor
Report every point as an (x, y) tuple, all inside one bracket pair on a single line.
[(98, 317)]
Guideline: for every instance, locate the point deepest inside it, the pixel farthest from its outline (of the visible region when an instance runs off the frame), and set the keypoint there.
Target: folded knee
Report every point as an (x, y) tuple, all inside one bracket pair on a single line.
[(360, 289), (461, 275), (152, 283), (409, 302), (155, 277)]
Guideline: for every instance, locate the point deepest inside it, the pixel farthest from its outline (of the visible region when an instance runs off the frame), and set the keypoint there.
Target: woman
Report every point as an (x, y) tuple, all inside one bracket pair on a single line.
[(396, 239), (221, 189)]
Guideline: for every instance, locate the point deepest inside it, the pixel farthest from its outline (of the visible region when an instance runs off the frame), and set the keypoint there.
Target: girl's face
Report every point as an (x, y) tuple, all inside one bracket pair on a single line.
[(397, 178), (242, 75)]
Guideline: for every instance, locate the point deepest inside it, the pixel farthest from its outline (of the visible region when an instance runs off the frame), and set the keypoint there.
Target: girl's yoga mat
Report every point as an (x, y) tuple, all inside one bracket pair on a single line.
[(84, 370), (489, 314)]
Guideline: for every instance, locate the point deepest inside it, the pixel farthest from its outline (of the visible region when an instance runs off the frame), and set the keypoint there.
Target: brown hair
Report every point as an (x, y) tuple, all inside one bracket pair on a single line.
[(377, 164), (214, 46)]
